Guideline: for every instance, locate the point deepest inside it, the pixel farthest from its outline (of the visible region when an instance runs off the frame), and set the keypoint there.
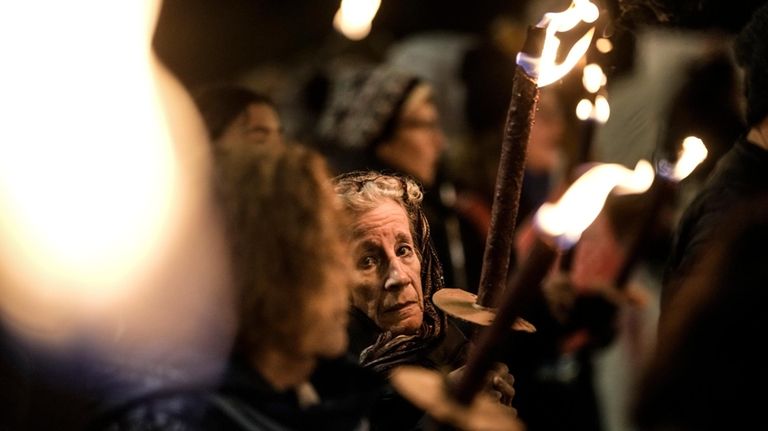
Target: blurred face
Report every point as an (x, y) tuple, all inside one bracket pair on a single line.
[(258, 125), (325, 334), (387, 275), (417, 142)]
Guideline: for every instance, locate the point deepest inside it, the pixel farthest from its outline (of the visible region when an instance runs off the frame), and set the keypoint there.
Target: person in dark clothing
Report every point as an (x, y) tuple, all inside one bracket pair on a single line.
[(396, 271), (290, 268), (709, 371), (742, 173), (246, 401)]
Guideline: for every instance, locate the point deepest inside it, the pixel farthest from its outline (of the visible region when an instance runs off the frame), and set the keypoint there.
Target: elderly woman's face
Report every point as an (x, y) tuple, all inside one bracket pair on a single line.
[(387, 275)]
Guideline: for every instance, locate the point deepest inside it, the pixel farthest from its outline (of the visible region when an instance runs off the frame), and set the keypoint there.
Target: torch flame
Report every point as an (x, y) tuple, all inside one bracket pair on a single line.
[(565, 220), (693, 153), (354, 18), (548, 69)]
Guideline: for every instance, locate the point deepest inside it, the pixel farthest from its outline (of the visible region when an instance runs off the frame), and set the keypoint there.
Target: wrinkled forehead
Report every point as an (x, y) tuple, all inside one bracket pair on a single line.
[(386, 216)]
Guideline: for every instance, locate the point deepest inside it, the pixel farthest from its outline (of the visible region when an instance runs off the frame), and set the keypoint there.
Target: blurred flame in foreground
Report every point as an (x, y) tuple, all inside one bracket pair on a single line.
[(87, 169), (565, 220), (105, 214)]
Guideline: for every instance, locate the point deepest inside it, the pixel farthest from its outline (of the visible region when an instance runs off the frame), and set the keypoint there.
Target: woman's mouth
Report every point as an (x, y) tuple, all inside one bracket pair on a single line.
[(400, 307)]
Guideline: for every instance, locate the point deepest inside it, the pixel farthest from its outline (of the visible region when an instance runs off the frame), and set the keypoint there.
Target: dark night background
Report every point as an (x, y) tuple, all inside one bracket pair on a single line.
[(214, 40)]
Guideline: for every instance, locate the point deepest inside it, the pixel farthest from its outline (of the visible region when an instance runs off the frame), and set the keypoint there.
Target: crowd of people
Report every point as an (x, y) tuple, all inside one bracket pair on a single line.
[(334, 246)]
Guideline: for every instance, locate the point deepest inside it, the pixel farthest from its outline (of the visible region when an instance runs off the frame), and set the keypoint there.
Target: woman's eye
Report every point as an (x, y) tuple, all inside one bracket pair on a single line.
[(366, 262), (404, 250)]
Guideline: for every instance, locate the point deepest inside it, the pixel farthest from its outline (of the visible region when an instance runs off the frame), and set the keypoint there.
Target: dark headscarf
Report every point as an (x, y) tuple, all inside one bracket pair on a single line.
[(389, 350)]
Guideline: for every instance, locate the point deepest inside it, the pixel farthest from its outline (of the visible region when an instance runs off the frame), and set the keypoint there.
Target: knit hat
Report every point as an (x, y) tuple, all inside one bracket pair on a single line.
[(363, 105), (751, 49)]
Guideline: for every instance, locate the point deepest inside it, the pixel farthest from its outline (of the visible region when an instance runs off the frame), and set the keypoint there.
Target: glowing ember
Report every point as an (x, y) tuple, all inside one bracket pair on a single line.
[(599, 112), (602, 109), (584, 109), (593, 78), (354, 18), (565, 220), (604, 45), (546, 69)]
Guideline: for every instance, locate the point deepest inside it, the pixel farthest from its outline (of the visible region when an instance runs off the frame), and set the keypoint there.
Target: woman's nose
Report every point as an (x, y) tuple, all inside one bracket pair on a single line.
[(396, 277)]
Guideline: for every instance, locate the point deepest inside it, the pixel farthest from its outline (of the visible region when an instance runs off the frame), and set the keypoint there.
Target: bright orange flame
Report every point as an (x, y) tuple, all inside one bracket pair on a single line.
[(549, 70), (582, 202), (354, 18)]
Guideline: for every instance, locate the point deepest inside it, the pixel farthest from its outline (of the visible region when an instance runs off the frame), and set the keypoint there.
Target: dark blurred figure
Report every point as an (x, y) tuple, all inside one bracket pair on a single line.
[(236, 116), (384, 119), (15, 381), (740, 176), (291, 269), (707, 106), (709, 372), (38, 387), (290, 263), (576, 317)]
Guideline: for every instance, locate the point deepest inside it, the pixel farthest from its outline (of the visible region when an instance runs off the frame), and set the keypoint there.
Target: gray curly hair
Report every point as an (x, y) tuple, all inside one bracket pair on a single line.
[(363, 191)]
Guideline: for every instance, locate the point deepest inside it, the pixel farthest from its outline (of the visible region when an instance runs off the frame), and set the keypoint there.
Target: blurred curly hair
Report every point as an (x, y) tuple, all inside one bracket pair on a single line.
[(287, 238)]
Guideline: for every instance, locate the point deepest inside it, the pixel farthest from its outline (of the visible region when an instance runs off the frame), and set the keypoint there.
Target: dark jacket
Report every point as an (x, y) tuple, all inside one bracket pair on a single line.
[(740, 177), (246, 402), (391, 412)]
